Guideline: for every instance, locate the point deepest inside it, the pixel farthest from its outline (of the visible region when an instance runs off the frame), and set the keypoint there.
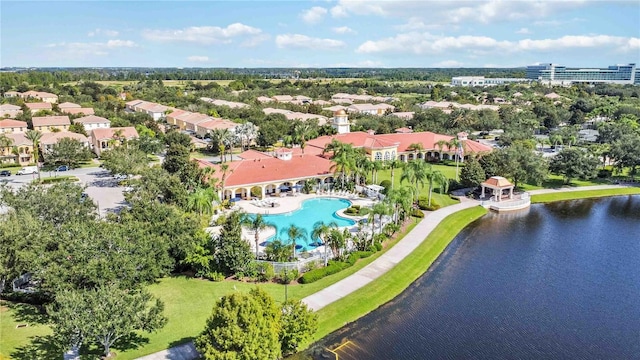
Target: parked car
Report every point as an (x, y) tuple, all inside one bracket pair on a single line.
[(120, 177), (62, 168), (5, 173), (27, 170)]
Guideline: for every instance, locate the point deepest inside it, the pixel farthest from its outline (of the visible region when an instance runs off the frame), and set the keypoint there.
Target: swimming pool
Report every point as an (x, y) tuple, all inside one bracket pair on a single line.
[(311, 211)]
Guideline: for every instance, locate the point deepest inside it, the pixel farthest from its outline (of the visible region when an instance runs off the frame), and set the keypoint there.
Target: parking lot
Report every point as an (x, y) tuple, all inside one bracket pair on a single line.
[(100, 184)]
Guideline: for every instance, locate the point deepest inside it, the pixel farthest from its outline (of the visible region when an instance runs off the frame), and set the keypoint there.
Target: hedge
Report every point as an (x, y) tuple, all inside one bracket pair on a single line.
[(333, 267)]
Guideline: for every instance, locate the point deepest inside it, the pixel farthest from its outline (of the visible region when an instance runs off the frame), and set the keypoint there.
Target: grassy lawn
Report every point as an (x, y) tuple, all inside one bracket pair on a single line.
[(442, 199), (12, 336), (389, 285), (188, 303), (556, 182), (89, 164), (570, 195)]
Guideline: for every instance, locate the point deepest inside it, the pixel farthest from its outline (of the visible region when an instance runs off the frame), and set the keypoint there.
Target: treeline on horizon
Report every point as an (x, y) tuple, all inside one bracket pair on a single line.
[(46, 76)]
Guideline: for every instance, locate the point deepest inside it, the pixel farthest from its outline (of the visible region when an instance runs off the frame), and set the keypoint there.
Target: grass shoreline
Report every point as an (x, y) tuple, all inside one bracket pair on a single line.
[(583, 194)]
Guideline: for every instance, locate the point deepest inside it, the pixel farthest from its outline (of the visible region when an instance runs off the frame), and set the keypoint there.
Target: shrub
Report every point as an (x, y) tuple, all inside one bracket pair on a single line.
[(266, 271), (604, 173), (288, 276), (386, 184), (423, 204), (58, 179), (357, 207), (417, 213), (214, 276), (351, 211), (317, 274), (364, 211)]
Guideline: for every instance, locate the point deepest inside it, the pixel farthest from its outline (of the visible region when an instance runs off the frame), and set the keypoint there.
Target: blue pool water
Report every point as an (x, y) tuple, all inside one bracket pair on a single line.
[(310, 212)]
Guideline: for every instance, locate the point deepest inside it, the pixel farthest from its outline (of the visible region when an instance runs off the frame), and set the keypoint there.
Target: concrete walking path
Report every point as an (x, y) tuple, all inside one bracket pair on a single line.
[(387, 260)]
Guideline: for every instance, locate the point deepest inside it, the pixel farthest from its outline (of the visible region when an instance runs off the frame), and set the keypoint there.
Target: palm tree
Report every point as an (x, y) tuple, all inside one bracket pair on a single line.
[(322, 231), (296, 233), (5, 142), (416, 148), (401, 199), (246, 132), (414, 173), (201, 201), (379, 209), (225, 140), (303, 133), (440, 144), (224, 168), (436, 176), (456, 145), (393, 164), (34, 136), (376, 166), (337, 240), (255, 224), (343, 161)]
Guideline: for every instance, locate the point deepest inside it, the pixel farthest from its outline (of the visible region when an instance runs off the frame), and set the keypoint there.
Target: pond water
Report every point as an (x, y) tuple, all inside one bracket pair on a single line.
[(556, 281)]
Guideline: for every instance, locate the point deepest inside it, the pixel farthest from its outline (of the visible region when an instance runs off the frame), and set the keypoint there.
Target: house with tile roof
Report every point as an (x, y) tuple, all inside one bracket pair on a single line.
[(79, 111), (231, 104), (35, 107), (10, 111), (68, 105), (41, 95), (9, 126), (93, 122), (106, 139), (208, 126), (371, 109), (48, 140), (156, 111), (46, 124), (20, 152)]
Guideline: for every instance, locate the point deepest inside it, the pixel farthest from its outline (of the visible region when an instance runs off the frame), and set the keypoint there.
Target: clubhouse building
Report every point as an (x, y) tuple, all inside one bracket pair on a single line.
[(270, 173)]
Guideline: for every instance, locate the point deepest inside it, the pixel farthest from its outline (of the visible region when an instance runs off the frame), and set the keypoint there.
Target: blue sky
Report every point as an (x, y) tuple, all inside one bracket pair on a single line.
[(339, 33)]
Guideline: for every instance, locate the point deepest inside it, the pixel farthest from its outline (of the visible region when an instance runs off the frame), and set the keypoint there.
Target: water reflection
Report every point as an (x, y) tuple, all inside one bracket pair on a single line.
[(548, 285)]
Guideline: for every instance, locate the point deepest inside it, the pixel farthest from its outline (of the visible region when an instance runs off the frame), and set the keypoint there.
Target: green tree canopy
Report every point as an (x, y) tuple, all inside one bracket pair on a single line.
[(574, 163)]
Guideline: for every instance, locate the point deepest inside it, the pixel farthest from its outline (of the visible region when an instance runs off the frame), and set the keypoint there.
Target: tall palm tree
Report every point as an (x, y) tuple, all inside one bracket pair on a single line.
[(375, 168), (343, 161), (337, 240), (392, 165), (436, 176), (302, 132), (416, 148), (414, 172), (457, 145), (440, 144), (5, 143), (296, 233), (401, 200), (379, 209), (322, 231), (255, 224), (201, 201), (224, 168), (34, 136)]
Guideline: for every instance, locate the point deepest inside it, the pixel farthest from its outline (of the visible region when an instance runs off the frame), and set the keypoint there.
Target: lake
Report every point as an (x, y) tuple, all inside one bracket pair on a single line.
[(556, 281)]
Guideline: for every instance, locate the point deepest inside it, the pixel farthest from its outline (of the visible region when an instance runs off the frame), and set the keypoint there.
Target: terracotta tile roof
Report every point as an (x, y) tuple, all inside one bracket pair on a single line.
[(404, 114), (497, 181), (92, 119), (68, 105), (322, 102), (133, 102), (152, 107), (217, 124), (38, 106), (75, 111), (257, 171), (55, 137), (264, 99), (193, 118), (50, 120), (282, 97), (9, 123), (275, 111), (9, 107), (128, 132), (19, 139), (253, 154)]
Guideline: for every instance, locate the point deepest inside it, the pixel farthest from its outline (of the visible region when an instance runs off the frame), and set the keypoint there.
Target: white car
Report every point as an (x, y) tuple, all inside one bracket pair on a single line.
[(120, 177)]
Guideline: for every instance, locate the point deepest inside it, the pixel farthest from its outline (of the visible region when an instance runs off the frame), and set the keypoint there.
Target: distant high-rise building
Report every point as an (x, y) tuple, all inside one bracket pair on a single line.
[(556, 74)]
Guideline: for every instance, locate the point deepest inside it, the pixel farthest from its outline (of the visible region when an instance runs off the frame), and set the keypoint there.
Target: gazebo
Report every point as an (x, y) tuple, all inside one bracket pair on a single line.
[(498, 184)]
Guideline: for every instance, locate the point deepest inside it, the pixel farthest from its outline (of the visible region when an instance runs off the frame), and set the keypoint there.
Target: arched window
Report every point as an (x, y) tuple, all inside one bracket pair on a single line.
[(393, 155), (378, 155), (387, 155)]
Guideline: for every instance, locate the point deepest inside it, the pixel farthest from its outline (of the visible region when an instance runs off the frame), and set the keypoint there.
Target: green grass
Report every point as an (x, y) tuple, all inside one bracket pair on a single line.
[(441, 199), (57, 179), (580, 194), (13, 337), (188, 303), (391, 284), (556, 182), (89, 164)]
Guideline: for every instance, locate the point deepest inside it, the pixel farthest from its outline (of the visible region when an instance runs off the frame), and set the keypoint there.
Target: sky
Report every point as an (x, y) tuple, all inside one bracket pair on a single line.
[(338, 33)]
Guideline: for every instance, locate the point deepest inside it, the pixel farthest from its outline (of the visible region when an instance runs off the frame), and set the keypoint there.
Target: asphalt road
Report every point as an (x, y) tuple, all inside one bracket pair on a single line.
[(101, 187)]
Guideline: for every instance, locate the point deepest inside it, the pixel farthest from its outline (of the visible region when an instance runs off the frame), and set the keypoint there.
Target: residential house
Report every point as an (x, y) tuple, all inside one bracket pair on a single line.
[(172, 117), (93, 122), (9, 126), (41, 95), (68, 105), (322, 103), (106, 139), (371, 109), (10, 94), (282, 98), (294, 115), (206, 127), (79, 111), (156, 111), (20, 152), (51, 138), (35, 107), (46, 124), (406, 115), (269, 111), (188, 120), (264, 99), (10, 111), (231, 104), (335, 108)]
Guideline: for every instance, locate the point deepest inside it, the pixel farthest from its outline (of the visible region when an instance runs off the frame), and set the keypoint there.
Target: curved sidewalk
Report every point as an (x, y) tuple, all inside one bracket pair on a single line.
[(387, 260)]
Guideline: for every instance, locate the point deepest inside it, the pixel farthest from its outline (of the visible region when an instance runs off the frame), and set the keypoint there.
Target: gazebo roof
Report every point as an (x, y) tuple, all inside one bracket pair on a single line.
[(497, 182)]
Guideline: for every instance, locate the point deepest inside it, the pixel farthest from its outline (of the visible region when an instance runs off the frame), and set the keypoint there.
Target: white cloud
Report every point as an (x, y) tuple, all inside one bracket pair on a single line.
[(523, 31), (441, 12), (71, 49), (448, 64), (197, 58), (103, 32), (426, 43), (202, 34), (556, 23), (314, 15), (298, 41), (343, 30)]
